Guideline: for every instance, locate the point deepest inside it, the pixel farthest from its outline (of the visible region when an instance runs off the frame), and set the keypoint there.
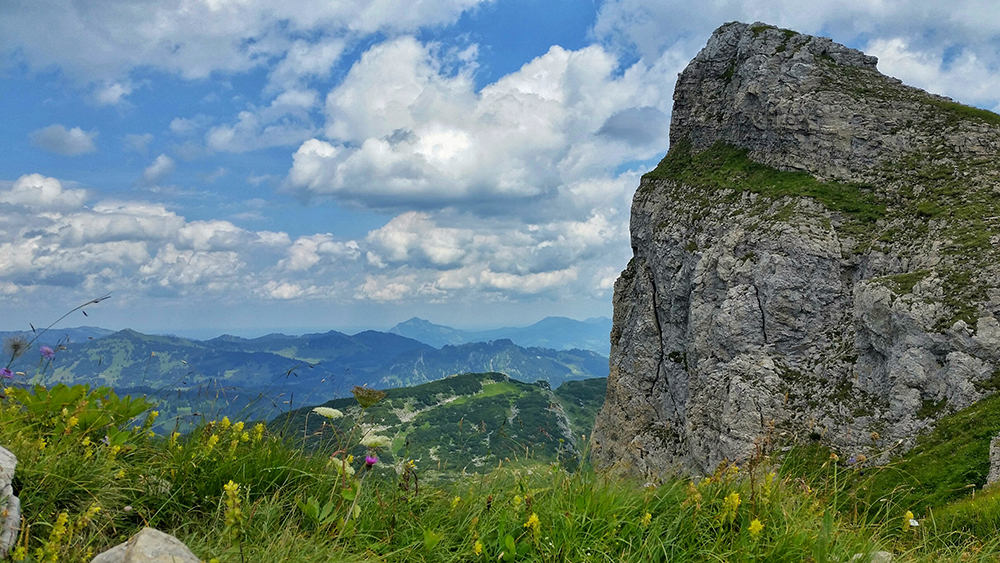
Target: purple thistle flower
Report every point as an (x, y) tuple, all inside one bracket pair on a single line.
[(47, 352), (6, 373), (370, 460)]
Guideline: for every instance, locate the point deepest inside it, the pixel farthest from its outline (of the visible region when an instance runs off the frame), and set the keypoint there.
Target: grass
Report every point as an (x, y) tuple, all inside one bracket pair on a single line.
[(725, 167), (523, 511)]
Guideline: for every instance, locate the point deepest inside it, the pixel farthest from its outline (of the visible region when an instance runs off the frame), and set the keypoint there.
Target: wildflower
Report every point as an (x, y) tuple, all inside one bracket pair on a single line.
[(327, 412), (6, 373), (343, 466), (86, 441), (120, 474), (646, 519), (909, 521), (237, 428), (455, 501), (534, 524), (834, 457), (225, 424), (41, 443), (19, 554), (367, 397), (245, 437), (376, 441), (71, 422), (478, 547), (258, 433), (212, 441), (47, 352), (350, 458), (517, 500), (370, 460), (755, 528)]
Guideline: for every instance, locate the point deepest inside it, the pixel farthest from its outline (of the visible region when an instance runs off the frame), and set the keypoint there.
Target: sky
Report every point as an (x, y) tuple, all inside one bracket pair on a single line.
[(247, 166)]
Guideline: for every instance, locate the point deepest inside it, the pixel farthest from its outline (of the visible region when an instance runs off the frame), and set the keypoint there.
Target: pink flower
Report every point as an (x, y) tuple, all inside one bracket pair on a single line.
[(370, 460), (47, 352)]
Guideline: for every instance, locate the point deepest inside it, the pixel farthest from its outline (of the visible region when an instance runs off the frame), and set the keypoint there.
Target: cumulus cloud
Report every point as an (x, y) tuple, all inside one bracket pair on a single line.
[(67, 142), (405, 133), (49, 236), (40, 192), (162, 167), (95, 41)]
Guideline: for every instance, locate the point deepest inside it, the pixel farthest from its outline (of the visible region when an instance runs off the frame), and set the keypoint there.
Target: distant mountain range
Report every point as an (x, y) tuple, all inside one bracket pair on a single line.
[(466, 422), (558, 333), (54, 337), (275, 372)]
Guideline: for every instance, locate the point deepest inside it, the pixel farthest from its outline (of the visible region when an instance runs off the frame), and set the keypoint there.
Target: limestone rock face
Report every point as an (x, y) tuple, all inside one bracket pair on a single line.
[(816, 257), (10, 506)]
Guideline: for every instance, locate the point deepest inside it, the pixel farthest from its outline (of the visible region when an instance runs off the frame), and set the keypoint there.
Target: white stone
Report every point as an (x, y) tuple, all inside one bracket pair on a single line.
[(148, 546), (10, 506)]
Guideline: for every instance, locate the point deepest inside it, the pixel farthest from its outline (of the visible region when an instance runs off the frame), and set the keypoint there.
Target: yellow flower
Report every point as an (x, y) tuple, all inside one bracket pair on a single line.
[(534, 524), (455, 501), (258, 432), (120, 474), (478, 548), (517, 500), (245, 437), (19, 554), (732, 501), (646, 519), (238, 427), (755, 528), (86, 441), (231, 487), (41, 443), (225, 423), (350, 458)]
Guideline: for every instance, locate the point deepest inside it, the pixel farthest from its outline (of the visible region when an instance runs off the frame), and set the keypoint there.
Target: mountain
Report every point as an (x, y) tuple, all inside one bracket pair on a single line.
[(559, 333), (817, 256), (272, 373), (54, 337), (469, 422)]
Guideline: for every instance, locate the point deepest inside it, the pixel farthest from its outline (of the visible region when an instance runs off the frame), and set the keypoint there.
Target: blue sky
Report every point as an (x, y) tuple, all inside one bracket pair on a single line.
[(254, 165)]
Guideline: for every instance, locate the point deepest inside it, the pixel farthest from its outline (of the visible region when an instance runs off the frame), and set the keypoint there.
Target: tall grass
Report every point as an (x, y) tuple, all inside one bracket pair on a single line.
[(108, 489)]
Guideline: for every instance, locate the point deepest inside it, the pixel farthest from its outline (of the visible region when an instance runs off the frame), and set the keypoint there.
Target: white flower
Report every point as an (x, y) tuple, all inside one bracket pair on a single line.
[(376, 441), (327, 412), (343, 467)]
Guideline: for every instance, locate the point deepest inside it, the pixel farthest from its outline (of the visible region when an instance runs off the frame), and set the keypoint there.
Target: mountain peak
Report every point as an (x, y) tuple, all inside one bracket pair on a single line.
[(805, 103)]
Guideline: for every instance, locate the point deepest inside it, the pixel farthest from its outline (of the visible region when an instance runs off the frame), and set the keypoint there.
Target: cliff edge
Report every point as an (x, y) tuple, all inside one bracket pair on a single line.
[(816, 257)]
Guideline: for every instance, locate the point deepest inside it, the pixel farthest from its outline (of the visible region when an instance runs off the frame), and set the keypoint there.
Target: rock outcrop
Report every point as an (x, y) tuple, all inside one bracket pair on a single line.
[(10, 506), (148, 546), (817, 257)]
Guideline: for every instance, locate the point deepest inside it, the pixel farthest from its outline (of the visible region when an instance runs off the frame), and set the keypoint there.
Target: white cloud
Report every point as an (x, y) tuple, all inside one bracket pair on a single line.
[(104, 41), (162, 167), (304, 61), (183, 126), (966, 76), (111, 93), (40, 192), (405, 133), (285, 122), (67, 142), (308, 251)]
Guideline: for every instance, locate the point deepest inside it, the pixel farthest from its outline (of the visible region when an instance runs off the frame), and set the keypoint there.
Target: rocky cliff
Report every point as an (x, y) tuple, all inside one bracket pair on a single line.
[(816, 257)]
